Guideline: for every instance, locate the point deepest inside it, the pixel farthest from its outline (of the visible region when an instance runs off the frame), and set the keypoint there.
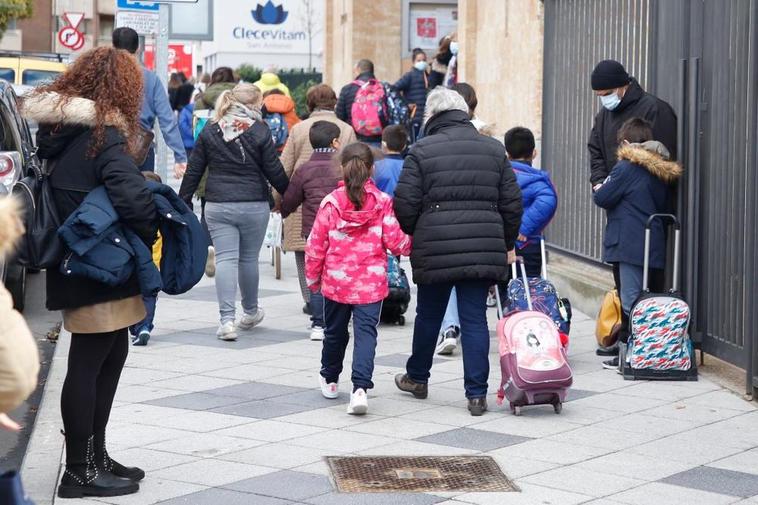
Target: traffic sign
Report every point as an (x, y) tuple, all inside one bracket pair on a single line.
[(147, 5), (74, 19), (71, 38), (144, 23)]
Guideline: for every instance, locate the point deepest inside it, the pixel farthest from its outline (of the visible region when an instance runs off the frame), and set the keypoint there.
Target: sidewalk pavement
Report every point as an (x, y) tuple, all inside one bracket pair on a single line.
[(244, 423)]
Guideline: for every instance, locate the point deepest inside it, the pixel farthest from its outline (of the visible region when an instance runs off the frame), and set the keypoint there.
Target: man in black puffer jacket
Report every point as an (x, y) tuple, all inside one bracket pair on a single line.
[(459, 198)]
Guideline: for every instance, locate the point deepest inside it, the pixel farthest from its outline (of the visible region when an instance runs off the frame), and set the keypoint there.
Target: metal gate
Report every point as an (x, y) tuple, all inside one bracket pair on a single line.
[(702, 57)]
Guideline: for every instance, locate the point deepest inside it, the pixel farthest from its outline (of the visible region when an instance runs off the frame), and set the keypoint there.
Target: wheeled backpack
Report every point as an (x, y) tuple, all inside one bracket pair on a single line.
[(396, 302), (659, 346)]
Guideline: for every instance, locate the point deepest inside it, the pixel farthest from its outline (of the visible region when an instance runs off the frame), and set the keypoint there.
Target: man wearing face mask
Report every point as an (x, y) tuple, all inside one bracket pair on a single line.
[(413, 86), (623, 98)]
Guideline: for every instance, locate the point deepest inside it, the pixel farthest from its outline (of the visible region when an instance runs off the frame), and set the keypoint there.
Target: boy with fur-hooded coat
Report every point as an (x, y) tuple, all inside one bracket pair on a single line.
[(19, 358)]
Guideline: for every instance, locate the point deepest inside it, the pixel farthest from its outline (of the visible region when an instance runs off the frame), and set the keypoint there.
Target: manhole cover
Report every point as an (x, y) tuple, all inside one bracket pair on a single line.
[(418, 474)]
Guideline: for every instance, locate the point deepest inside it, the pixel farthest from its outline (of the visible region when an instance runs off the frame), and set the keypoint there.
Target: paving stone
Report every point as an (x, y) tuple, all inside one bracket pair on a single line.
[(289, 485), (262, 409), (217, 496), (579, 480), (195, 383), (743, 462), (625, 463), (149, 459), (670, 495), (341, 441), (282, 456), (195, 401), (205, 445), (313, 398), (213, 473), (375, 499), (399, 427), (530, 494), (578, 394), (270, 431), (716, 480), (256, 391), (155, 490), (552, 452), (399, 360), (467, 438)]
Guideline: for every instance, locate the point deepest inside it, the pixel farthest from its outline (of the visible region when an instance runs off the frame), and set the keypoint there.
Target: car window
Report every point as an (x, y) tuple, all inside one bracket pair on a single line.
[(8, 74), (37, 77), (9, 140)]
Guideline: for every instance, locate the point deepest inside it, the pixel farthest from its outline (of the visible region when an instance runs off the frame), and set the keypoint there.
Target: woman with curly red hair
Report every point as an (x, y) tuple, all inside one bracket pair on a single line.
[(88, 129)]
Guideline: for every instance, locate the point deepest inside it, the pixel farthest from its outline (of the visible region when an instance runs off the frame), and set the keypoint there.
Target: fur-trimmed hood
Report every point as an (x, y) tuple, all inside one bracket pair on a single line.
[(653, 157), (10, 224), (52, 108)]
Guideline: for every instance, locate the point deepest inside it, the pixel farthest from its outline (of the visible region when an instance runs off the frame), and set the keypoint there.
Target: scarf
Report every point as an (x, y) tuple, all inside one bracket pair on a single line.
[(237, 120)]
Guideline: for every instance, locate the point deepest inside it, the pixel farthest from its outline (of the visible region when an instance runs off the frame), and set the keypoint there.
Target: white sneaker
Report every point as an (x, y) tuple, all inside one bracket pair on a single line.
[(358, 403), (329, 390), (250, 321), (210, 263), (317, 333), (227, 331), (491, 300), (448, 341)]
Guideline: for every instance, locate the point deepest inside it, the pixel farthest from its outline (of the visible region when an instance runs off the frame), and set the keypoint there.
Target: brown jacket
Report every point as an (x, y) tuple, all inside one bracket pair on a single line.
[(19, 358), (297, 151)]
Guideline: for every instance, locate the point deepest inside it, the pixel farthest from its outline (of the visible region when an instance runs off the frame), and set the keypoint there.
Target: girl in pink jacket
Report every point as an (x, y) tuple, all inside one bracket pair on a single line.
[(346, 257)]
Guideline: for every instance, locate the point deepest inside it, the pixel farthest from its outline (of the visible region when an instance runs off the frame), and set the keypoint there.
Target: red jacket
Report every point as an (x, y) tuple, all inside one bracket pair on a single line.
[(346, 252), (309, 185)]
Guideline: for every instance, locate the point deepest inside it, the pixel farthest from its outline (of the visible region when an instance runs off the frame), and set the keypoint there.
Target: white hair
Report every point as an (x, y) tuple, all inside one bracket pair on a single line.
[(441, 99)]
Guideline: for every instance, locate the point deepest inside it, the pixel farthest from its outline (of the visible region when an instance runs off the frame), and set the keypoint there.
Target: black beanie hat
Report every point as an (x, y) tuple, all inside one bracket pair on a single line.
[(609, 74)]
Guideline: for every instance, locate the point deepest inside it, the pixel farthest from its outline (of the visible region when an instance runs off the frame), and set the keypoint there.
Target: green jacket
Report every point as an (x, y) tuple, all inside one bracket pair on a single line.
[(207, 99)]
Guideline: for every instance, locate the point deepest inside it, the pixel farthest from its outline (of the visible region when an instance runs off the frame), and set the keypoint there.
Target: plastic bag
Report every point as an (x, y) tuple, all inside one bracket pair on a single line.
[(273, 236)]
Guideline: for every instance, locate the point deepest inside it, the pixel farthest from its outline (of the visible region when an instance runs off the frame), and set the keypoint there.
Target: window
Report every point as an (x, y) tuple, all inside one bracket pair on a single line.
[(37, 77), (8, 74)]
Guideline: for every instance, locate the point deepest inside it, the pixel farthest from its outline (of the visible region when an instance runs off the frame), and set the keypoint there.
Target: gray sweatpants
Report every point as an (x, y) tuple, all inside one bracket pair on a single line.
[(237, 230)]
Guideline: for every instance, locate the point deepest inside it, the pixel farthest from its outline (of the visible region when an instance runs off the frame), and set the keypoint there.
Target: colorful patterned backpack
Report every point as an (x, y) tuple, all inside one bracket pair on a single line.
[(369, 111), (659, 345), (398, 111)]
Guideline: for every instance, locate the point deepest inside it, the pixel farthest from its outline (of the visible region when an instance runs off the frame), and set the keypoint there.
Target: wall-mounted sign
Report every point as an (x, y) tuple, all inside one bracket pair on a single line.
[(143, 22), (179, 58)]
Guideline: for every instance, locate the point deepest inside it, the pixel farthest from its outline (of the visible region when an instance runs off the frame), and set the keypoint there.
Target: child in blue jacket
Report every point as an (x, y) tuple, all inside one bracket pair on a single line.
[(538, 194), (185, 128), (387, 170)]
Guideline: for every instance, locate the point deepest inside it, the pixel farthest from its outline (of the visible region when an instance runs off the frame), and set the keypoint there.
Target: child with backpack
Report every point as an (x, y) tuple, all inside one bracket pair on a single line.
[(636, 188), (309, 185), (280, 116), (346, 258), (394, 142)]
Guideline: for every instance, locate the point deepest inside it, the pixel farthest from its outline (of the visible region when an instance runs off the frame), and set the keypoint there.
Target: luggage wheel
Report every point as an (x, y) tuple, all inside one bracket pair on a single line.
[(558, 407), (515, 410), (401, 321)]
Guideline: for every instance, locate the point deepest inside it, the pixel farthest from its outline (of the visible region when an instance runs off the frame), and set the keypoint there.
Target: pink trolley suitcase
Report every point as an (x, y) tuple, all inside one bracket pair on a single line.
[(532, 359)]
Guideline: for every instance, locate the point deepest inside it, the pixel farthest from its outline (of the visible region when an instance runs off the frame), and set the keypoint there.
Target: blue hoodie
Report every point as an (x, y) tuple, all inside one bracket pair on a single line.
[(185, 126), (388, 172), (155, 104), (539, 199)]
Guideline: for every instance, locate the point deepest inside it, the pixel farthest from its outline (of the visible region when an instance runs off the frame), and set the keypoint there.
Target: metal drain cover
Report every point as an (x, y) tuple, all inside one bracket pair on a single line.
[(381, 474)]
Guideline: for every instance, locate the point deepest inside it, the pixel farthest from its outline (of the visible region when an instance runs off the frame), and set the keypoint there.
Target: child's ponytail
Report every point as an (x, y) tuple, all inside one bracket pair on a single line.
[(357, 162)]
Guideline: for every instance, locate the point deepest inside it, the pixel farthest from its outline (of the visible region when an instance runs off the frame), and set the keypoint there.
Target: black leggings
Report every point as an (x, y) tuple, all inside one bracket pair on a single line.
[(95, 361)]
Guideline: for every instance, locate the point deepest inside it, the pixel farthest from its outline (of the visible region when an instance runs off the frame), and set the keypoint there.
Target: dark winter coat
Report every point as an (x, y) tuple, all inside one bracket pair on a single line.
[(100, 248), (603, 141), (414, 85), (539, 199), (314, 180), (345, 101), (458, 197), (636, 189), (239, 170), (65, 136)]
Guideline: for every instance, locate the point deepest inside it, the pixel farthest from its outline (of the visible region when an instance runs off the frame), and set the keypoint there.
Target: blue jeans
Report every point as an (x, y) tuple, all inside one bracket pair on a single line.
[(365, 321), (475, 336), (631, 285), (451, 313), (147, 323), (237, 230), (317, 309)]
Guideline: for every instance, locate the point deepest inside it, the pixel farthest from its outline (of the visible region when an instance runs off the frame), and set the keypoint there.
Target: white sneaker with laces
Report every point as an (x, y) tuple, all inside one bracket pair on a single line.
[(317, 333), (448, 341), (210, 263), (358, 403), (250, 321), (227, 331), (330, 390)]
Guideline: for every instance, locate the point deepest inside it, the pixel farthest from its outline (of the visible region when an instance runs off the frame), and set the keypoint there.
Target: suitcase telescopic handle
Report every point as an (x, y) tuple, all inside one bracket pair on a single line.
[(528, 295), (646, 261)]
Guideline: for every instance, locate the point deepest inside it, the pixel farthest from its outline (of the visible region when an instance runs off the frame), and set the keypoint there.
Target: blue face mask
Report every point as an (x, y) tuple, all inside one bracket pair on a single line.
[(454, 47), (420, 65), (611, 101)]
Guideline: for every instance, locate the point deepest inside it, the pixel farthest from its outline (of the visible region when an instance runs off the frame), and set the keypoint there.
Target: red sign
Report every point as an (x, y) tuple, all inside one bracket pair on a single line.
[(71, 38), (426, 28), (179, 58)]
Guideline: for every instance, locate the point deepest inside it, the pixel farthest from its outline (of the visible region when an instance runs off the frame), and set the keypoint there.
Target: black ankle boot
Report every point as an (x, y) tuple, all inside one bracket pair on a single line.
[(82, 478), (104, 462)]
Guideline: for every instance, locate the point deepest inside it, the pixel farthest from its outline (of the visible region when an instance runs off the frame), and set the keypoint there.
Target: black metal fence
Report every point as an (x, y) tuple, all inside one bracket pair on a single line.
[(702, 57)]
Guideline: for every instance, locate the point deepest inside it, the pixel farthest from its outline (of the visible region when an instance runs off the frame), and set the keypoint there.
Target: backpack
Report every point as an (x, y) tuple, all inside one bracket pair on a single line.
[(369, 110), (278, 126), (40, 247), (398, 111)]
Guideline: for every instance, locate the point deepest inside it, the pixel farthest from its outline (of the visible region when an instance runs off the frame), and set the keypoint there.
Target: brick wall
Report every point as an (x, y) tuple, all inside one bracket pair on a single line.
[(37, 31)]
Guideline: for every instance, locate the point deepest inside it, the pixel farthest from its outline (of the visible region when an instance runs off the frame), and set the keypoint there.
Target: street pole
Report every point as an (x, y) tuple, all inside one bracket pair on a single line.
[(161, 68)]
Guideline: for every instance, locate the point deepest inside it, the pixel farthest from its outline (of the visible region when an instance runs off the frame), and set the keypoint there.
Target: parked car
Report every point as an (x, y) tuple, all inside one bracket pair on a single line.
[(16, 153), (31, 69)]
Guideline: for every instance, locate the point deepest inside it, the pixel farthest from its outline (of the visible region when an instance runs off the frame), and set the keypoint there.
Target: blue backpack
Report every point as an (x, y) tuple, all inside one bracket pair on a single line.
[(278, 126), (398, 111)]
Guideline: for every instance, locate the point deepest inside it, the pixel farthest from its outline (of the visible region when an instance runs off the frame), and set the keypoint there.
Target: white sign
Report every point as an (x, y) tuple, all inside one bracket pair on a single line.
[(266, 26), (73, 18), (144, 23), (429, 23)]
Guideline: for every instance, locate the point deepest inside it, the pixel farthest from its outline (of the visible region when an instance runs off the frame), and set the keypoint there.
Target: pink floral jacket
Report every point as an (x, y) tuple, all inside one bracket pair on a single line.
[(346, 252)]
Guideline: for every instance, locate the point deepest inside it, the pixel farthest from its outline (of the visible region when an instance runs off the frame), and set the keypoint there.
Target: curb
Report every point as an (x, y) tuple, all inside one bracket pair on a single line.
[(42, 463)]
